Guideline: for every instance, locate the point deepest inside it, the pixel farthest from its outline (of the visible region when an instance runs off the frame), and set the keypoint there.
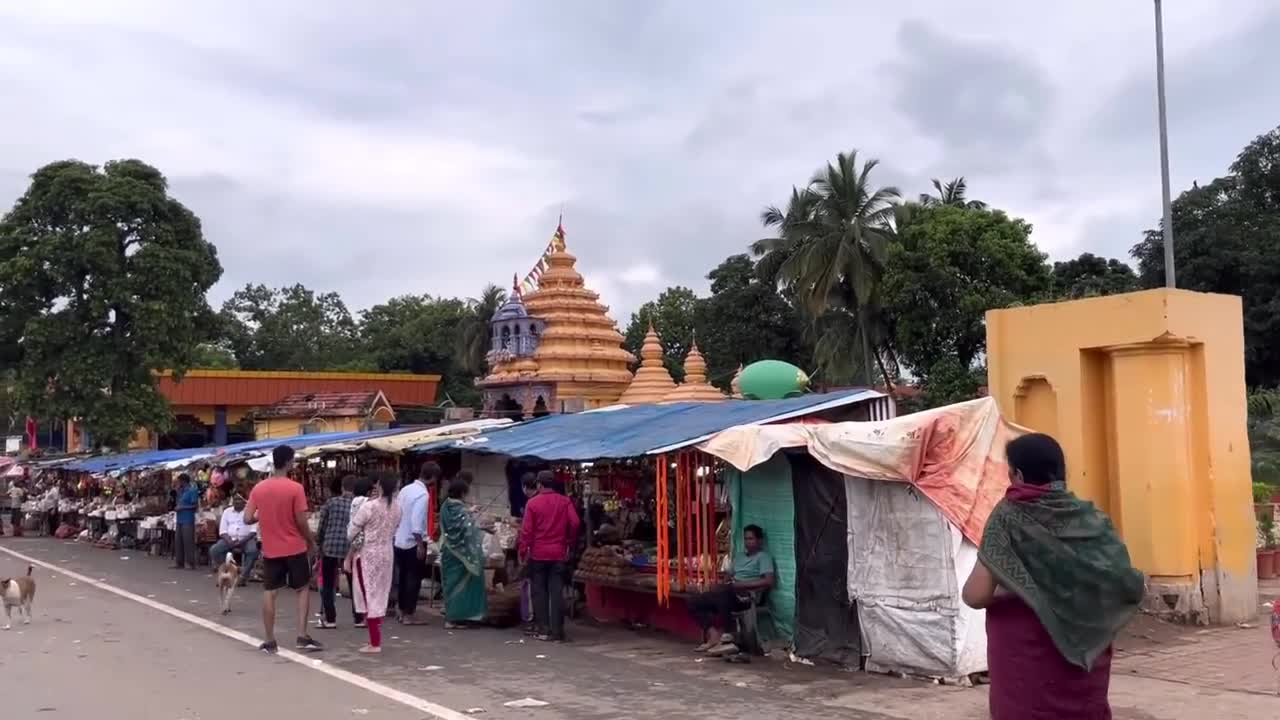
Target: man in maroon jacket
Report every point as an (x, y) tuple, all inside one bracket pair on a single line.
[(547, 536)]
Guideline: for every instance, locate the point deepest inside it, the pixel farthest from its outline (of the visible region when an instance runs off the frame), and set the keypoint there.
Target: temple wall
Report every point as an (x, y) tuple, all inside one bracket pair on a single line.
[(1146, 393)]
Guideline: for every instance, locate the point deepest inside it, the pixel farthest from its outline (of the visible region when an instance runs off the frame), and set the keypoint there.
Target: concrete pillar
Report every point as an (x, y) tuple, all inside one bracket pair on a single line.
[(220, 425)]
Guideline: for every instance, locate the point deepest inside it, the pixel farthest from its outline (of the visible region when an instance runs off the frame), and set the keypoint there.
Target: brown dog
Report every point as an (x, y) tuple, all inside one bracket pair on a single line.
[(228, 576), (18, 592)]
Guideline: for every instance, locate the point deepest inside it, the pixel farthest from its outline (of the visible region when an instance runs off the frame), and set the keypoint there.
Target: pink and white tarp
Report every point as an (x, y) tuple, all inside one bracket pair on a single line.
[(954, 455)]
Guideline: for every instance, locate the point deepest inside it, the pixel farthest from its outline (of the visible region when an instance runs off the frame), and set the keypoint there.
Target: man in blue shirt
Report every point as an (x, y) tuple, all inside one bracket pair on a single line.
[(184, 536), (751, 576)]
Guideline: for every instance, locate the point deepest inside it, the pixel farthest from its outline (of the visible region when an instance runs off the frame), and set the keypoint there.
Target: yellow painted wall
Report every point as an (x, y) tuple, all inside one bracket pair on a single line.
[(1146, 393), (288, 427)]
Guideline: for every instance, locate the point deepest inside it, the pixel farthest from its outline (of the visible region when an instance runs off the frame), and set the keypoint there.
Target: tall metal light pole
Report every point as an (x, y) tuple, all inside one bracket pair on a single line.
[(1164, 152)]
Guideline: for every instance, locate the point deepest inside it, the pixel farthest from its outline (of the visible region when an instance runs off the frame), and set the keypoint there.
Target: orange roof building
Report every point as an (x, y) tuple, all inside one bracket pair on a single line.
[(555, 349)]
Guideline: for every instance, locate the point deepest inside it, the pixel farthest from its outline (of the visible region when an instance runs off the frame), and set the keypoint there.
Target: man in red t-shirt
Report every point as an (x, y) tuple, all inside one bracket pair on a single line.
[(279, 506)]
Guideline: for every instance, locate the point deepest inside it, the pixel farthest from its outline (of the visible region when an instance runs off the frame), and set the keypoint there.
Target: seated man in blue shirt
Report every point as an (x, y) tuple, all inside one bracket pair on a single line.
[(752, 574)]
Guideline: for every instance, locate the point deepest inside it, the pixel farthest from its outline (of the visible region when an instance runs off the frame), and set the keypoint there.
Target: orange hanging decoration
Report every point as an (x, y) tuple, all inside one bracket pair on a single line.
[(700, 527), (661, 525), (682, 526)]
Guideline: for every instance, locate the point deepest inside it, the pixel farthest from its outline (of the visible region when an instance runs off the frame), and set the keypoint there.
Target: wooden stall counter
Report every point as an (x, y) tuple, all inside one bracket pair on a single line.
[(632, 599)]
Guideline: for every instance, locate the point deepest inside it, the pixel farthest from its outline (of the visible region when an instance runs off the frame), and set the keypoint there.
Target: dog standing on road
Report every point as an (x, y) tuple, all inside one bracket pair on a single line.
[(18, 592), (228, 576)]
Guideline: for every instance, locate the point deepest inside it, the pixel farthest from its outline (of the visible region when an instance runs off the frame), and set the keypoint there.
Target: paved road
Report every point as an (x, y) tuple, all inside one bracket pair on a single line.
[(132, 658)]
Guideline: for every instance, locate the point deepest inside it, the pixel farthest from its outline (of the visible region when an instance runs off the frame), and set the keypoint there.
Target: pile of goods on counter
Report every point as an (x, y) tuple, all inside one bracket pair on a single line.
[(605, 564)]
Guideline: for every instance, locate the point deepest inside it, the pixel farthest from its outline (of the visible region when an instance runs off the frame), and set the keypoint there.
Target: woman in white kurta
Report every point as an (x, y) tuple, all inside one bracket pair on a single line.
[(373, 527)]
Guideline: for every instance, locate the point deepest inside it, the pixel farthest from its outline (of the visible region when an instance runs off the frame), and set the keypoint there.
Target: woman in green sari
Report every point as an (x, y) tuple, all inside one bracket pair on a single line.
[(461, 559)]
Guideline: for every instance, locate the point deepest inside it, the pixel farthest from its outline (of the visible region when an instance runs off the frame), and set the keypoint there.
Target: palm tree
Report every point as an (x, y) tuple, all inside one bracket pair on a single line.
[(771, 253), (473, 336), (951, 193), (830, 252)]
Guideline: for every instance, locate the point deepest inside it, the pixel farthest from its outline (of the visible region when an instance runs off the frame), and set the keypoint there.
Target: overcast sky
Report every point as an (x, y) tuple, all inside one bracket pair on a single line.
[(382, 148)]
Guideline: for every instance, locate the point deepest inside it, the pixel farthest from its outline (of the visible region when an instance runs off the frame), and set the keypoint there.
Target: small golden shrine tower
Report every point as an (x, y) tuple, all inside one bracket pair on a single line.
[(652, 381), (571, 357), (695, 387)]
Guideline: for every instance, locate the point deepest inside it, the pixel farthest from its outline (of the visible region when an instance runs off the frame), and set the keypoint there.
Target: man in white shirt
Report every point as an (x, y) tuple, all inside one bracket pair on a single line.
[(16, 496), (411, 541), (234, 534)]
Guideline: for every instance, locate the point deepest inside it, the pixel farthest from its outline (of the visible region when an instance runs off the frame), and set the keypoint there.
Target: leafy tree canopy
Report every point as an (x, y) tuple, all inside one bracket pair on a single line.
[(950, 266), (1227, 240), (672, 315), (1091, 276), (419, 334), (103, 278), (290, 328), (746, 320)]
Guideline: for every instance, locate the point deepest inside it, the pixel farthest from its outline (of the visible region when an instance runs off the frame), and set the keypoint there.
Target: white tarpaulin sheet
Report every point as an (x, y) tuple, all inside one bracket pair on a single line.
[(905, 565)]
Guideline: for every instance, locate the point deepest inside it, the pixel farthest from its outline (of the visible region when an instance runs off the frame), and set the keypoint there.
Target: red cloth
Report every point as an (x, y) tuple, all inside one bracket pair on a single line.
[(1030, 680), (278, 500), (550, 527)]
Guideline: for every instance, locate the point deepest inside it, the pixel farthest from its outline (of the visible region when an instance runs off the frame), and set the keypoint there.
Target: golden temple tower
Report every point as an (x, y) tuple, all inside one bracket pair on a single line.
[(652, 381), (695, 387), (580, 348)]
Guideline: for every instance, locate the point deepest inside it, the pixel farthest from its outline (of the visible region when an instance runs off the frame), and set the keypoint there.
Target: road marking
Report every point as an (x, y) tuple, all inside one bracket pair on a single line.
[(439, 712)]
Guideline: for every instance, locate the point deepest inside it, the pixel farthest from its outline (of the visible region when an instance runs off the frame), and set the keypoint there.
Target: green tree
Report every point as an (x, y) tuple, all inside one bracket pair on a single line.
[(672, 315), (421, 334), (745, 320), (103, 278), (1092, 276), (1264, 436), (290, 328), (214, 356), (473, 336), (951, 266), (1227, 240), (829, 253), (951, 193)]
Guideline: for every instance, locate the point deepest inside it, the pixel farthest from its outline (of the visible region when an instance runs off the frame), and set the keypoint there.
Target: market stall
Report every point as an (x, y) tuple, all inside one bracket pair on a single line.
[(911, 495), (657, 510)]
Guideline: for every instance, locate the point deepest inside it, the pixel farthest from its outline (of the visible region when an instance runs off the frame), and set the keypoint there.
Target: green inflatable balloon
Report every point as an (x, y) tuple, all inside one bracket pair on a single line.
[(772, 380)]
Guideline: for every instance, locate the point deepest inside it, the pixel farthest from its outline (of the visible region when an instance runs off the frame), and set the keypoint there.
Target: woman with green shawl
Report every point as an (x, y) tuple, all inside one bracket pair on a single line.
[(1057, 585), (461, 558)]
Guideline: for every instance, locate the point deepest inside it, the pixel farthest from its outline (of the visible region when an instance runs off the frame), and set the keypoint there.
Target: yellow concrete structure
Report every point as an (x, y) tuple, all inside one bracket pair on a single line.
[(307, 413), (578, 363), (695, 387), (652, 383), (1146, 393)]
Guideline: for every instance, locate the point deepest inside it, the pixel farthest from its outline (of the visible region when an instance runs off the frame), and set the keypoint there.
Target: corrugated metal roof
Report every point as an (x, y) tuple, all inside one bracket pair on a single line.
[(632, 431), (328, 404), (262, 388)]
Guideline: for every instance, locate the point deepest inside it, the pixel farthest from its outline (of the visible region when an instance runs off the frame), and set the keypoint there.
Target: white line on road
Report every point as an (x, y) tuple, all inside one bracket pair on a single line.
[(439, 712)]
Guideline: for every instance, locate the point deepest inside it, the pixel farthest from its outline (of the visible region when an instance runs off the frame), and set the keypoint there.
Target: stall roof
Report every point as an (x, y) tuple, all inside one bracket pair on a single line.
[(154, 458), (635, 430)]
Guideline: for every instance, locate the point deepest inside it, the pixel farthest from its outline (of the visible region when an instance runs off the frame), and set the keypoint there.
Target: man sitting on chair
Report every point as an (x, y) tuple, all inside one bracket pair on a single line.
[(235, 535), (751, 576)]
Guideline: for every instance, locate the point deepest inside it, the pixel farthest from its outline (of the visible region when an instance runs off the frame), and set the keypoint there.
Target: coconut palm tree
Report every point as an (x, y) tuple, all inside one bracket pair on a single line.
[(772, 252), (473, 336), (830, 252), (951, 193)]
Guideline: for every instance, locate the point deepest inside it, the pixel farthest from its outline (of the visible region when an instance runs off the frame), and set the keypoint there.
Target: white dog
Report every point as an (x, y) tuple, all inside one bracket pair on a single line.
[(228, 576), (18, 592)]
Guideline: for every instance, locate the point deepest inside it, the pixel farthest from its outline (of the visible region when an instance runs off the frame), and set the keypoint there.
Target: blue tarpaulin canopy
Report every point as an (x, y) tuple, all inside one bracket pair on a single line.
[(635, 430), (154, 458)]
